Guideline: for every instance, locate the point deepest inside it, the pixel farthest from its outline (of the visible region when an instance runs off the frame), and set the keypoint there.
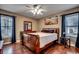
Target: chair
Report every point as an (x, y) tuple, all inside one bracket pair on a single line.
[(65, 41)]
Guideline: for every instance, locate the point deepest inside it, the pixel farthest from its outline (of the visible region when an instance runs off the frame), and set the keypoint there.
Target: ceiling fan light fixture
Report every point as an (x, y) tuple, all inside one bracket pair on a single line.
[(37, 10), (40, 12), (33, 12)]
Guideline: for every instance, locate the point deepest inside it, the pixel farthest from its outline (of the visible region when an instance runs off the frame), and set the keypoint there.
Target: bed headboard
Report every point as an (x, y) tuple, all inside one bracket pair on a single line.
[(50, 30)]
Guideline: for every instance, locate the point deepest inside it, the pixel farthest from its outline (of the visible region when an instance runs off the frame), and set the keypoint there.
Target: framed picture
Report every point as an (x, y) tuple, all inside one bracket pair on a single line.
[(27, 26), (51, 21)]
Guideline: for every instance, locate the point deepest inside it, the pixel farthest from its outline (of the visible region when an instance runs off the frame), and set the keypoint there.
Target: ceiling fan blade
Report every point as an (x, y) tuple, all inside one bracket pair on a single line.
[(37, 6), (29, 6)]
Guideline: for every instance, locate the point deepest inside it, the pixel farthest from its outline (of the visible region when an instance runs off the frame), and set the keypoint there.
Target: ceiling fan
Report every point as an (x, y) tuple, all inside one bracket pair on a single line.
[(35, 9)]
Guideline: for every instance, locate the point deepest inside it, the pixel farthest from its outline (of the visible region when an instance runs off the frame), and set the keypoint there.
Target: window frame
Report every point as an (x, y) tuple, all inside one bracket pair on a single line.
[(63, 21)]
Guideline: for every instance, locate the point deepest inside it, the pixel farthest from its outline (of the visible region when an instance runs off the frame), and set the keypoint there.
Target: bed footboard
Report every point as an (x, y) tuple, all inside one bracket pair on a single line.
[(32, 42)]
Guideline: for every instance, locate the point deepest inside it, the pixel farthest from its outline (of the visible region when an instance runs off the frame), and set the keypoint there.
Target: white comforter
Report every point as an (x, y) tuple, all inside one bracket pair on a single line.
[(45, 38)]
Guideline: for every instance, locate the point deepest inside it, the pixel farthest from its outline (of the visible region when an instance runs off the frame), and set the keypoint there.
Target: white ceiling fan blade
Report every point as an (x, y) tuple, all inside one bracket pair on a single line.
[(40, 12), (38, 7)]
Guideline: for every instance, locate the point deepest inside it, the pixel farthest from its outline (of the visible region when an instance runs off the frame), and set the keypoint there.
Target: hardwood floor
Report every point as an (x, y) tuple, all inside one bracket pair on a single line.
[(17, 48), (60, 49)]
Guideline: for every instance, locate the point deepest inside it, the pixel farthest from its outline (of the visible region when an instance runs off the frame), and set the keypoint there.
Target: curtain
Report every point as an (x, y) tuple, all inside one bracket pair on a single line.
[(77, 41), (13, 31), (0, 29), (63, 27), (63, 30)]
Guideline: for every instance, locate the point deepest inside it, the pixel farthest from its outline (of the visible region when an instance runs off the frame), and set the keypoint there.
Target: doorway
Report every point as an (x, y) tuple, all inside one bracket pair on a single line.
[(7, 29)]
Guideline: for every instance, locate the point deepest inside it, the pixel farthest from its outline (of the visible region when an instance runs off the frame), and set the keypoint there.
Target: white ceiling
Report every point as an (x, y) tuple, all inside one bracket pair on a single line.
[(51, 9)]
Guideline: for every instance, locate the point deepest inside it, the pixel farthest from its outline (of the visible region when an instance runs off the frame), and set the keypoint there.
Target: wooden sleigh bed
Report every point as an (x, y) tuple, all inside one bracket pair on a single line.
[(38, 41)]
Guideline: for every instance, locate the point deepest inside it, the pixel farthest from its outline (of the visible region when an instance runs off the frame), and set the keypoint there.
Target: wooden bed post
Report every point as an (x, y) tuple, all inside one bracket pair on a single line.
[(37, 45), (58, 34)]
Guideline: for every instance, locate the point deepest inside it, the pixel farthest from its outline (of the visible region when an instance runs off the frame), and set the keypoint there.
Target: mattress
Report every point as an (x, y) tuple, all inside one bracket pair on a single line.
[(45, 38)]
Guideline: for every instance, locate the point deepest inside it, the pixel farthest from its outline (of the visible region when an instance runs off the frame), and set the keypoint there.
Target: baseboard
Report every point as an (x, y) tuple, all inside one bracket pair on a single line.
[(72, 44), (18, 40), (6, 43)]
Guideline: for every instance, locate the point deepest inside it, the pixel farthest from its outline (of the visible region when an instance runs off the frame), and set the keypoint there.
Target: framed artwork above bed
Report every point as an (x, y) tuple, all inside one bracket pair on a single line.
[(51, 21)]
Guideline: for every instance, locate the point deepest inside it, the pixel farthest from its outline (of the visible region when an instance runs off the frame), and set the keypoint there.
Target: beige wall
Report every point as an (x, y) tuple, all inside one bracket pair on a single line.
[(42, 25), (19, 22)]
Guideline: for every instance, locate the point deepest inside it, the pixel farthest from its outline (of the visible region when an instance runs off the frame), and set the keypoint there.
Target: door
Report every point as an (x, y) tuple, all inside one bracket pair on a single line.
[(7, 29)]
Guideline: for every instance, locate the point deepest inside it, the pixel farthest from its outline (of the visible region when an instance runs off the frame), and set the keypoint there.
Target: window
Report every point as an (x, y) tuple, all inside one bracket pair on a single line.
[(6, 26), (71, 25)]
